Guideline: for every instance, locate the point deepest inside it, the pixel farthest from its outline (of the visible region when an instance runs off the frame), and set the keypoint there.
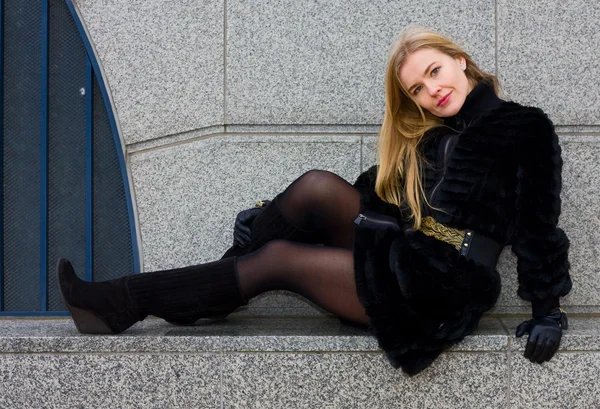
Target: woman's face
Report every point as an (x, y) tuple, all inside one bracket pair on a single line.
[(436, 81)]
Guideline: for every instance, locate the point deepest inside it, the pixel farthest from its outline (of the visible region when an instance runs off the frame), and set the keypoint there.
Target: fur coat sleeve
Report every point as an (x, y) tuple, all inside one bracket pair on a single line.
[(540, 246)]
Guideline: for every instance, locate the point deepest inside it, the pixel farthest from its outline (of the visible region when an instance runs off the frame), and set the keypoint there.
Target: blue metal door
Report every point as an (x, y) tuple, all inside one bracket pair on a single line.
[(64, 190)]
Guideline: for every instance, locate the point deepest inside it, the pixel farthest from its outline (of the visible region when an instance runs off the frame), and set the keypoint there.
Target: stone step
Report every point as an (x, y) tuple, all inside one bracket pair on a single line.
[(297, 362)]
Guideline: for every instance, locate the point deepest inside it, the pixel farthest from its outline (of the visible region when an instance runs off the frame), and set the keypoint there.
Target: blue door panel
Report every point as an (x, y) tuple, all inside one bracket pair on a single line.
[(64, 190), (22, 105), (66, 153)]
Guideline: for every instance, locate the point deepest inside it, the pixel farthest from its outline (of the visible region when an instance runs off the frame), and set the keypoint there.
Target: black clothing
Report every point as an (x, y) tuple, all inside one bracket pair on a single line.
[(482, 98), (181, 296), (502, 179)]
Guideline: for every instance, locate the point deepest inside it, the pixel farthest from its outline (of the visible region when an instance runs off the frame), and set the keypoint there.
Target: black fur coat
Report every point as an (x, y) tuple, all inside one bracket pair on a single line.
[(503, 180)]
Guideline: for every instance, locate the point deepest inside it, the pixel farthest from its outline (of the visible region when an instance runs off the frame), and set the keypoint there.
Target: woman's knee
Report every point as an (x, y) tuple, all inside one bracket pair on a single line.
[(321, 176), (314, 176), (316, 182), (277, 247)]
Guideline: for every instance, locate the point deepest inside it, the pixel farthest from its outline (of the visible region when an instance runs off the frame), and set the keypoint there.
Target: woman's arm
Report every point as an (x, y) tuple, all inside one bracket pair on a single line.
[(541, 247)]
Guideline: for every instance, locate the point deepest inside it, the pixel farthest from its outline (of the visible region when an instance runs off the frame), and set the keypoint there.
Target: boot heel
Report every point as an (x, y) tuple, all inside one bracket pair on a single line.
[(85, 321), (88, 323)]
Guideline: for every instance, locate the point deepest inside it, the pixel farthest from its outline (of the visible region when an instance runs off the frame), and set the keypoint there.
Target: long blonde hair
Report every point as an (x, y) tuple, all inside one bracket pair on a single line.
[(399, 178)]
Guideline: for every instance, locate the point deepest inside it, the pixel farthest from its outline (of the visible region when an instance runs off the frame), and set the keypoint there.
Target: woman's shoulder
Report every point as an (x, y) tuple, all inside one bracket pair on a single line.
[(512, 118), (519, 113), (432, 136), (528, 127)]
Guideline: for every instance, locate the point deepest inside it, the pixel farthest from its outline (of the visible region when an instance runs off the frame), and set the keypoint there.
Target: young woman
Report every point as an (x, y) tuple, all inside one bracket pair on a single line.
[(411, 248)]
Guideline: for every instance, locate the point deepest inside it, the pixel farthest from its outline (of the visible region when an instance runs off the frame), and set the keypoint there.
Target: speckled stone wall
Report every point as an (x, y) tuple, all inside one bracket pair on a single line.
[(178, 66), (162, 62), (322, 62), (547, 53), (223, 103)]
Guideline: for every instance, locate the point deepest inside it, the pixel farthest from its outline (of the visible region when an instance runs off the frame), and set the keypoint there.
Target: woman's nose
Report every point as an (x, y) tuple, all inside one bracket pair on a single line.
[(433, 89)]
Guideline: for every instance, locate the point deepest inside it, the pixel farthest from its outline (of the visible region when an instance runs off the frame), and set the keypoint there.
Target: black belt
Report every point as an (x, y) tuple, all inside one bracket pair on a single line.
[(471, 245), (481, 249)]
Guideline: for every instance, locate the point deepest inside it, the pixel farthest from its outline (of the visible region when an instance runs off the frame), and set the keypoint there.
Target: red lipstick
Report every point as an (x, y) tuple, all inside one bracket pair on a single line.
[(442, 102)]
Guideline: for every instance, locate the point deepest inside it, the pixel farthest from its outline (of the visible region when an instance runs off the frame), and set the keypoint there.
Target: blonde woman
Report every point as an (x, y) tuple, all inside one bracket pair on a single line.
[(411, 248)]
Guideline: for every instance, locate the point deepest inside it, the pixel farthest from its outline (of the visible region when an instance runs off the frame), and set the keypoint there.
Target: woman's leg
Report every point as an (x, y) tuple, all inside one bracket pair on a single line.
[(323, 202), (322, 206), (320, 202), (324, 275), (318, 207)]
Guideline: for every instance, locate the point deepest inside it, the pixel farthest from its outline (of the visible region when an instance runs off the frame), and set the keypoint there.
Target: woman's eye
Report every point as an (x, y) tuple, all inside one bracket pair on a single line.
[(435, 71), (416, 91)]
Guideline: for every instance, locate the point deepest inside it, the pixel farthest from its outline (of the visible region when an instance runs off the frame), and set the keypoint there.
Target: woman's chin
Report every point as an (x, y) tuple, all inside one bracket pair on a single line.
[(447, 111)]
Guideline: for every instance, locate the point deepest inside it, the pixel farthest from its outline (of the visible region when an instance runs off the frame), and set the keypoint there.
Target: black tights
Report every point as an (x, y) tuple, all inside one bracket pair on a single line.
[(324, 204)]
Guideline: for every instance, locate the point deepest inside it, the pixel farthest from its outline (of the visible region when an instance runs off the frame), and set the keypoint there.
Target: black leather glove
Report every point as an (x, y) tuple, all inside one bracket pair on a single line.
[(243, 221), (545, 334)]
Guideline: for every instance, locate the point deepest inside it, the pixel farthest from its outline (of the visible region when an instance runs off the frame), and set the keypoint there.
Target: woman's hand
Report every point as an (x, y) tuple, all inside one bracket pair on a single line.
[(545, 334), (241, 230)]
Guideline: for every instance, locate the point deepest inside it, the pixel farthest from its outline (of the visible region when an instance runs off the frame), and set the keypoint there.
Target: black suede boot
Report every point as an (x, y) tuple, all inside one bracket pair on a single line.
[(184, 295), (97, 308), (111, 307)]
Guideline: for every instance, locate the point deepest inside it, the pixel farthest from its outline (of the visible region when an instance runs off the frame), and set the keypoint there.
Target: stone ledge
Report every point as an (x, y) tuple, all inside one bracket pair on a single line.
[(249, 362), (245, 334)]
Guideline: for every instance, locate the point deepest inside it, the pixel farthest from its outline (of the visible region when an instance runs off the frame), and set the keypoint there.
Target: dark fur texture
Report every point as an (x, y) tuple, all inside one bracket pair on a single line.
[(503, 180)]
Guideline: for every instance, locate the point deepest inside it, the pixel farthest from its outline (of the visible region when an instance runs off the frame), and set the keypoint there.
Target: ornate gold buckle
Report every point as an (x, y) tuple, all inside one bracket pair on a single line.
[(433, 228)]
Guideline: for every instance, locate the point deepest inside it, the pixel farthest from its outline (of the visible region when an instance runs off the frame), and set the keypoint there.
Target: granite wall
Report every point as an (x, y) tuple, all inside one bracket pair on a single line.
[(222, 103)]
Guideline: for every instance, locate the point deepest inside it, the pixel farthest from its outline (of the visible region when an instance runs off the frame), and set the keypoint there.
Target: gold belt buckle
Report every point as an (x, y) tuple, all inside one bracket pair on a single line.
[(460, 239)]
